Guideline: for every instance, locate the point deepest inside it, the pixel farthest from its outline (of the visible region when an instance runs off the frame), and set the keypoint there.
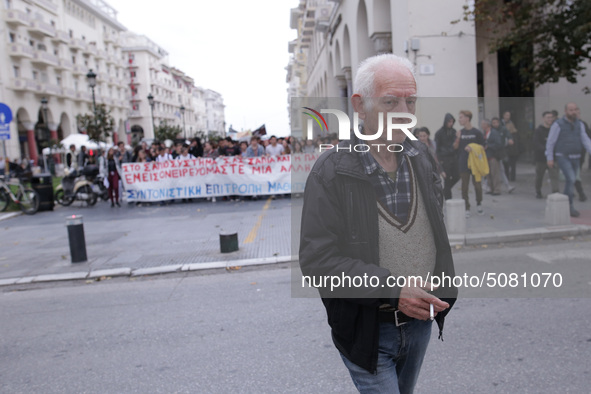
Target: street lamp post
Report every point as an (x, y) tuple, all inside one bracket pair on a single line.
[(184, 128), (91, 79), (44, 108), (151, 102)]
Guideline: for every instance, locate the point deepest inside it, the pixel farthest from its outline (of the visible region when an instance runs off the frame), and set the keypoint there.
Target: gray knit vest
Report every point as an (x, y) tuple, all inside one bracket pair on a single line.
[(407, 249)]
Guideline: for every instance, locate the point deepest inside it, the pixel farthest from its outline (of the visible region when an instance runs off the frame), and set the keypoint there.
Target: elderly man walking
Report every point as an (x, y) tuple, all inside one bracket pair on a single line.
[(563, 146), (377, 214)]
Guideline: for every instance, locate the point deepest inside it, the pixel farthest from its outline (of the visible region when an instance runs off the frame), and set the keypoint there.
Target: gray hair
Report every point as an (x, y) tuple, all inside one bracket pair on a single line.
[(364, 83)]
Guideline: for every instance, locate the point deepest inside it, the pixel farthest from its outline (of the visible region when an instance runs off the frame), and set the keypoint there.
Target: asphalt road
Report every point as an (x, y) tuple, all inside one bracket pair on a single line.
[(242, 331)]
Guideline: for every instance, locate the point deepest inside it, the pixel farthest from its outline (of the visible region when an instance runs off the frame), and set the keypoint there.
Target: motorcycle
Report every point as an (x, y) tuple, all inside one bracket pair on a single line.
[(75, 187), (98, 182)]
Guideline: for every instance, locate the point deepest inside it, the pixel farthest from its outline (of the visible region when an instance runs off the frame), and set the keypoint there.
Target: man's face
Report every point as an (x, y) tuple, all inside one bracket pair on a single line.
[(450, 123), (395, 91), (273, 141), (122, 147), (485, 126), (254, 143), (571, 111), (496, 123), (507, 116), (462, 119), (548, 120)]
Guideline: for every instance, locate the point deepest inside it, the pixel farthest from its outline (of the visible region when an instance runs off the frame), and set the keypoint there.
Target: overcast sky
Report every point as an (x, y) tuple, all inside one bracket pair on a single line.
[(235, 47)]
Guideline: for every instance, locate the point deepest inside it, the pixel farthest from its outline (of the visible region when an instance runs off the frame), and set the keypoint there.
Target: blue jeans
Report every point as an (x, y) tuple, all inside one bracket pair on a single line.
[(400, 356), (569, 168)]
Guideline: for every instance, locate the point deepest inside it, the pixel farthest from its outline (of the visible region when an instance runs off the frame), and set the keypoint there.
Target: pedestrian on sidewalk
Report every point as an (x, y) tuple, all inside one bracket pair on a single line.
[(565, 138), (447, 155), (464, 137), (507, 141), (493, 148), (578, 183), (381, 332), (514, 148), (110, 168), (539, 142)]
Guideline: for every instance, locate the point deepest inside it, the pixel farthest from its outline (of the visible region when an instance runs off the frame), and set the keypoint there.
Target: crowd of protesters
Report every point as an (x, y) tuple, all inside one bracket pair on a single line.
[(455, 151)]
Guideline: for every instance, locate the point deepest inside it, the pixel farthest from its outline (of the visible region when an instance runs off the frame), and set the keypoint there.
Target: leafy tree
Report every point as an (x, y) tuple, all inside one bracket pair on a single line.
[(98, 128), (164, 131), (558, 32)]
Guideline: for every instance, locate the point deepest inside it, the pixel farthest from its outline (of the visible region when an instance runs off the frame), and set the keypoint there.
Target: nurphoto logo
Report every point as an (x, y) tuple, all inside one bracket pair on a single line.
[(345, 129)]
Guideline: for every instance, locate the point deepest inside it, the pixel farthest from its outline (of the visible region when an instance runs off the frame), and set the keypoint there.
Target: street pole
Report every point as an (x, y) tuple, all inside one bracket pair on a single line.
[(184, 128), (91, 78), (44, 102), (151, 102)]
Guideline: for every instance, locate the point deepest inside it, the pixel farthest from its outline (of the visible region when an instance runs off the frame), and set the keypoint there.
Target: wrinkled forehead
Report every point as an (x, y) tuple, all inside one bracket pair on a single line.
[(394, 80)]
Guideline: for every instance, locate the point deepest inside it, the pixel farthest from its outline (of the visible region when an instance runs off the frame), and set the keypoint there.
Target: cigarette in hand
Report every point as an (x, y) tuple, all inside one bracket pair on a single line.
[(431, 312)]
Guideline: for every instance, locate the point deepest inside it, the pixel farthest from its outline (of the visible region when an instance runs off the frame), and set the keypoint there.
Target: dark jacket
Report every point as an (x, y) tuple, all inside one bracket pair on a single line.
[(444, 141), (539, 142), (494, 144), (339, 235)]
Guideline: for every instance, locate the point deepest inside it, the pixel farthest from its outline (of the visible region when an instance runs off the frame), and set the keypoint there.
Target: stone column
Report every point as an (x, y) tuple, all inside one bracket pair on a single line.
[(349, 79), (53, 136), (31, 142), (382, 42)]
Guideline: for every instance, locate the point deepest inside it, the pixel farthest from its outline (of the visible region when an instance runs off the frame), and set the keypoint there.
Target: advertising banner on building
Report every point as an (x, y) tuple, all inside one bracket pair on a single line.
[(223, 176)]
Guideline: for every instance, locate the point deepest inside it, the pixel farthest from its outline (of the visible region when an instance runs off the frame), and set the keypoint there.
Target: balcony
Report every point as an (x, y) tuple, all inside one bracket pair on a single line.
[(135, 114), (111, 38), (52, 90), (48, 5), (69, 92), (65, 64), (45, 59), (38, 26), (20, 51), (83, 96), (79, 70), (17, 17), (61, 36), (23, 84), (76, 43)]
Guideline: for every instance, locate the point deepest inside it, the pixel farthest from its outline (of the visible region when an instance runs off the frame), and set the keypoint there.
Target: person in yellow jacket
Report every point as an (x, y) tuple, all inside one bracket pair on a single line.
[(477, 162), (465, 137)]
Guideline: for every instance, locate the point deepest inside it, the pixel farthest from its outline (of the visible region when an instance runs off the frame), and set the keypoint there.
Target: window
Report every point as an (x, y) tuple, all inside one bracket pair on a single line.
[(8, 4), (132, 74), (71, 33), (42, 47), (73, 59), (76, 85), (58, 80), (35, 75), (55, 52), (32, 43), (17, 71), (53, 23), (11, 37)]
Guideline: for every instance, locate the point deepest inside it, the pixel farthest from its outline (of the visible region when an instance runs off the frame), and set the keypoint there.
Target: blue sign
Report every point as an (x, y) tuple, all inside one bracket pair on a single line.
[(5, 119)]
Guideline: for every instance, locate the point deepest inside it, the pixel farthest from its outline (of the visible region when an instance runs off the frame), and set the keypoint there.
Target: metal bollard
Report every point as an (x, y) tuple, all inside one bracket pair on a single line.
[(76, 237), (228, 242)]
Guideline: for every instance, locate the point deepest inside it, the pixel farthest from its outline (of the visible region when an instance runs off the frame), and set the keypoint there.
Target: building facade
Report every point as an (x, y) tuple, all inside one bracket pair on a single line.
[(47, 49), (452, 60), (49, 46)]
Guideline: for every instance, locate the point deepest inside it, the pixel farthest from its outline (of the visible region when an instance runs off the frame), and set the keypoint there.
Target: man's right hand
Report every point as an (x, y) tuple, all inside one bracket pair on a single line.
[(414, 302), (550, 163)]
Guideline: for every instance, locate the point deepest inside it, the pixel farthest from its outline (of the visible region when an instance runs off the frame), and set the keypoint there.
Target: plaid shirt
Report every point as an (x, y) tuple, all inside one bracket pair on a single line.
[(395, 195)]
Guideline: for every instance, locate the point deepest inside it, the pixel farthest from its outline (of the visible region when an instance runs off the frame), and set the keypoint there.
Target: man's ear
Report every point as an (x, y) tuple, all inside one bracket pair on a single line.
[(357, 102)]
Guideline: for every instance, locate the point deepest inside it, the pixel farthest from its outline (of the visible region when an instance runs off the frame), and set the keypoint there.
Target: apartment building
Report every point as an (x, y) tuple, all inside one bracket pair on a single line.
[(453, 61), (49, 47)]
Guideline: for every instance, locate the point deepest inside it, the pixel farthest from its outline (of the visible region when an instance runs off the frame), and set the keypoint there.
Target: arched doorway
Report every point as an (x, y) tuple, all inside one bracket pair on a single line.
[(42, 130)]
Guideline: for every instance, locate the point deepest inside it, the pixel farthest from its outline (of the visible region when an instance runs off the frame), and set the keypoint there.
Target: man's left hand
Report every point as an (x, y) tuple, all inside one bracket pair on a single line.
[(414, 302)]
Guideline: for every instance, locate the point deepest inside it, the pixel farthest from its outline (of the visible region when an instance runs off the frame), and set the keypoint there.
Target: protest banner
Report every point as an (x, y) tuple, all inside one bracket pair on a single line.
[(223, 176)]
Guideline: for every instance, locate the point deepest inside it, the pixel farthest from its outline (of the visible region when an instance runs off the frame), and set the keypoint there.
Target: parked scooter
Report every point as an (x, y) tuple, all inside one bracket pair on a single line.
[(75, 187), (94, 176)]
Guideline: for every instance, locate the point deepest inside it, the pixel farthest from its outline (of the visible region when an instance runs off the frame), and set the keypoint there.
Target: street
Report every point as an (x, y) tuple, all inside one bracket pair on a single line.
[(242, 331)]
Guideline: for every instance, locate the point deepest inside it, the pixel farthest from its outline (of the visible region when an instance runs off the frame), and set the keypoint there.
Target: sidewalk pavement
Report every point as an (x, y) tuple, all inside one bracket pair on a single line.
[(145, 240)]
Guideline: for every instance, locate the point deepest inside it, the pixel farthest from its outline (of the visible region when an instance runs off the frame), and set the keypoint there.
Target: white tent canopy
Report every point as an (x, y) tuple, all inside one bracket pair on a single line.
[(81, 139)]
